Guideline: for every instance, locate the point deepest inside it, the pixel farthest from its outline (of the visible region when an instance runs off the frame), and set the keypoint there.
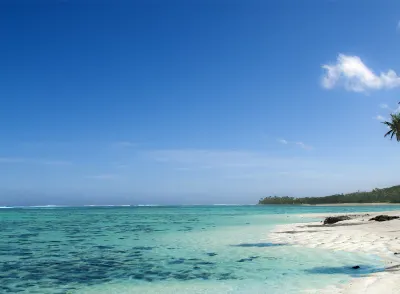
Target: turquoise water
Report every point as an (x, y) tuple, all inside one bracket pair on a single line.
[(188, 249)]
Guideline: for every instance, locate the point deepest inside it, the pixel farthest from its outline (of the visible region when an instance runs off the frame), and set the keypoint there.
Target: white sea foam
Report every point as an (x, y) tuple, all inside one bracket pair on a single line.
[(46, 206), (35, 206), (147, 205), (107, 205)]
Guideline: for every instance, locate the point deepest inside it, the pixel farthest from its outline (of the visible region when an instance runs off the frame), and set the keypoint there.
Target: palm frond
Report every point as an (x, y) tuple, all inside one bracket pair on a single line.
[(394, 126), (388, 133), (387, 123)]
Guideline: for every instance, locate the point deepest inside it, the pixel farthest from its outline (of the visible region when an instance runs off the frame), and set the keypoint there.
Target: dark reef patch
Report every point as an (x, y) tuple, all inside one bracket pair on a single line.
[(258, 245)]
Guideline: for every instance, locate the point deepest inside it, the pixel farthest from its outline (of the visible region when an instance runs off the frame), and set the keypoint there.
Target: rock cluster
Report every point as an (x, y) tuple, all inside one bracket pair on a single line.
[(334, 219), (383, 218)]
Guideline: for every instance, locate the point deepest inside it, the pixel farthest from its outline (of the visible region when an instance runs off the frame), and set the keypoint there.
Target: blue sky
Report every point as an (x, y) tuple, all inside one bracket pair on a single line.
[(194, 102)]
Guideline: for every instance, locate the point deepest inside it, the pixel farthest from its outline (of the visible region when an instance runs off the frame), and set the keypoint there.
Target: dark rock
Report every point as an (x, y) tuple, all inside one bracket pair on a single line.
[(383, 218), (334, 219), (355, 267)]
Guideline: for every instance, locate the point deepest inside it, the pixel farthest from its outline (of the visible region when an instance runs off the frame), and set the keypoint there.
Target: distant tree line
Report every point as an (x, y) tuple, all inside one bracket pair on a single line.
[(386, 195)]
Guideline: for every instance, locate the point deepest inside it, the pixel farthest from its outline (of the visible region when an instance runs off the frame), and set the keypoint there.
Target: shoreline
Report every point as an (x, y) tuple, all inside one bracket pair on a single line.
[(355, 204), (355, 235)]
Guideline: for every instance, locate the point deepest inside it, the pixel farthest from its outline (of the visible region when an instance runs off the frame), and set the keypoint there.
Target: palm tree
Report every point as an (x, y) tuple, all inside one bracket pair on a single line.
[(394, 126)]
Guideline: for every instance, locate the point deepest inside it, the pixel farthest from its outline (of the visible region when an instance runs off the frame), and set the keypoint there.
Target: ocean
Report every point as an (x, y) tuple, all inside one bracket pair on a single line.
[(166, 249)]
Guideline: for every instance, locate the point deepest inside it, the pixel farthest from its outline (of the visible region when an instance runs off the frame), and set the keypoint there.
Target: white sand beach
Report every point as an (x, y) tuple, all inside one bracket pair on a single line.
[(355, 235)]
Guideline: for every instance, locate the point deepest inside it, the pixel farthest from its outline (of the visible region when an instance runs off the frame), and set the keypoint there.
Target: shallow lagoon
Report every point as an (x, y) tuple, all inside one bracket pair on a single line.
[(181, 249)]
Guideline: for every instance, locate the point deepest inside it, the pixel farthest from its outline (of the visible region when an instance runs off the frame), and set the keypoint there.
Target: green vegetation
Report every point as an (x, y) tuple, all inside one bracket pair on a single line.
[(386, 195), (394, 126)]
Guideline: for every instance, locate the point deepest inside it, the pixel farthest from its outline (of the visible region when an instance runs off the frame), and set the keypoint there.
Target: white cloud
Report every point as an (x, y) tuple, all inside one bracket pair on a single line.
[(282, 141), (351, 73), (304, 146), (384, 106), (379, 117)]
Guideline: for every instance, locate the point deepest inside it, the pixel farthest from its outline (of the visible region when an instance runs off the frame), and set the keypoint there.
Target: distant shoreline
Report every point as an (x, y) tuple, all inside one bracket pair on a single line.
[(352, 204), (385, 196)]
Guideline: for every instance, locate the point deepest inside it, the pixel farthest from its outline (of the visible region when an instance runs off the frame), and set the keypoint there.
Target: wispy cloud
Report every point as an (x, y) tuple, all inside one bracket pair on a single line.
[(304, 146), (351, 73), (11, 160), (21, 160), (379, 117), (121, 165), (54, 162), (103, 177), (299, 144), (183, 168), (301, 174), (222, 159), (392, 110), (124, 144)]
